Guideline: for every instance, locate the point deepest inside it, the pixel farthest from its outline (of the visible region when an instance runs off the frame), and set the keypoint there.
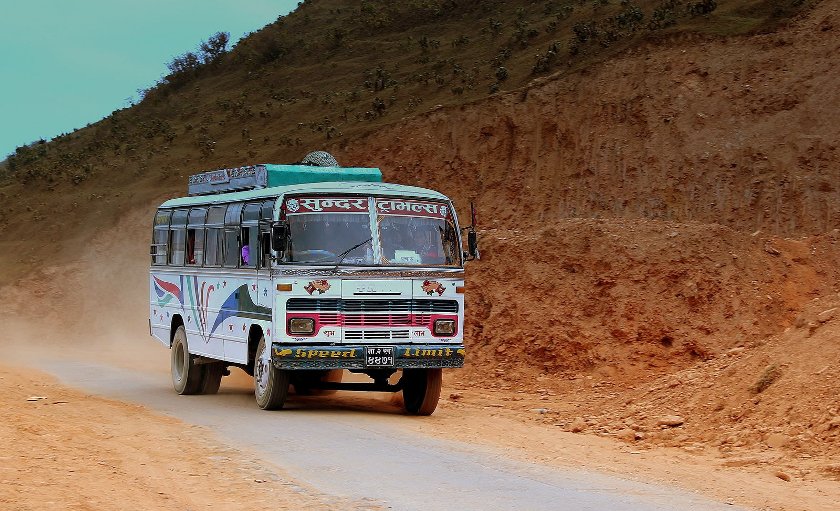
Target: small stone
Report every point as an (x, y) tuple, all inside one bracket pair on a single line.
[(770, 249), (826, 315), (626, 434), (577, 425), (671, 421), (783, 476), (455, 396), (540, 410), (776, 440)]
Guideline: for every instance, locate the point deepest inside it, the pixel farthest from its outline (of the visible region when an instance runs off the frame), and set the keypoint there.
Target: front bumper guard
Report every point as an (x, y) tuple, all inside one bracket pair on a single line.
[(406, 356)]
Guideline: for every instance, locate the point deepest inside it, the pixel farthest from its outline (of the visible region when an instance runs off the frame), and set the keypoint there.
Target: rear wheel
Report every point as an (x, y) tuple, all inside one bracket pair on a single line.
[(271, 385), (421, 390), (212, 379), (186, 375)]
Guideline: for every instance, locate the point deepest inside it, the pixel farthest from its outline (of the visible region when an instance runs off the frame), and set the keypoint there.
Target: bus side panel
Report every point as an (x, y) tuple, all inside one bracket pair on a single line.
[(192, 298), (160, 314), (161, 307)]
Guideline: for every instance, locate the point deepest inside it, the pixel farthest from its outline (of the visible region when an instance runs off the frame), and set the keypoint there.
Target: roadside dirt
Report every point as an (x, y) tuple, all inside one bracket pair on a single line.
[(66, 450), (573, 393)]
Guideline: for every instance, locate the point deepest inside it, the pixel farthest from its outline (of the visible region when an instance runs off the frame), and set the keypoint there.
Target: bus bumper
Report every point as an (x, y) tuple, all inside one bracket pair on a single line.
[(405, 356)]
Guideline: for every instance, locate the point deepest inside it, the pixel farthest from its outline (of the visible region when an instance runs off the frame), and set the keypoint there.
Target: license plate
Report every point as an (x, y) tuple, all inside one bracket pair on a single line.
[(379, 356)]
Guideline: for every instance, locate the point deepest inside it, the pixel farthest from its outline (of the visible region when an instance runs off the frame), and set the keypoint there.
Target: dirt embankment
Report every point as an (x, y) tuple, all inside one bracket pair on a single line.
[(740, 132)]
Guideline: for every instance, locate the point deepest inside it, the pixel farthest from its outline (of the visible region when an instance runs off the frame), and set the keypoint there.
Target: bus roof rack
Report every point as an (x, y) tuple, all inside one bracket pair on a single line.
[(266, 175)]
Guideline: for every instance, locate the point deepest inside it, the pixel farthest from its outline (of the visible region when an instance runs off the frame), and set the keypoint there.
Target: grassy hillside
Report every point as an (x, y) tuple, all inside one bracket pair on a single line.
[(327, 74)]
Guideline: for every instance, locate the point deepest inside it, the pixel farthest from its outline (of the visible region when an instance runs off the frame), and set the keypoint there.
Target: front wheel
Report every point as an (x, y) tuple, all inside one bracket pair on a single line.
[(421, 390), (271, 385), (187, 376)]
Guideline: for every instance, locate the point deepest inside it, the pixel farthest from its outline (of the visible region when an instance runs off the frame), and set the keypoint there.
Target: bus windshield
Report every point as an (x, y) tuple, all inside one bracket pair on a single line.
[(330, 238), (371, 231)]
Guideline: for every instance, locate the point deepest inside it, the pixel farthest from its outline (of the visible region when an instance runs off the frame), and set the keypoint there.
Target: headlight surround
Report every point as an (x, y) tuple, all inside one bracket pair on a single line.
[(301, 326), (445, 327)]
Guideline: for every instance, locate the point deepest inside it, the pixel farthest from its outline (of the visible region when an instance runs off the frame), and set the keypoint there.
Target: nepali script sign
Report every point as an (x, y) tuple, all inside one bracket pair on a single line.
[(298, 205), (409, 207)]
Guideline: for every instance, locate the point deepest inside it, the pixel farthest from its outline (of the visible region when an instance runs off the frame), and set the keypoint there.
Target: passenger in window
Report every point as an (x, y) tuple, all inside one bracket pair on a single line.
[(246, 255)]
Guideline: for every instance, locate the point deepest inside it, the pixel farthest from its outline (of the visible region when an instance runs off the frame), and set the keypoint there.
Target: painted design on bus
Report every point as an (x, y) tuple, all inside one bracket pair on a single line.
[(165, 291), (432, 286), (240, 304), (322, 286), (237, 304), (200, 298)]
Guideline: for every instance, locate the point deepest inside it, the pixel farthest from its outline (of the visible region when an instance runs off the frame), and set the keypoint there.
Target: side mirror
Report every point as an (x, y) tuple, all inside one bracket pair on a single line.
[(472, 245), (279, 233)]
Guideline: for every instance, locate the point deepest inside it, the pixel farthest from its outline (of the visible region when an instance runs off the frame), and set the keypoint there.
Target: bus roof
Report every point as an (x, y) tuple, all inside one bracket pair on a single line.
[(355, 188)]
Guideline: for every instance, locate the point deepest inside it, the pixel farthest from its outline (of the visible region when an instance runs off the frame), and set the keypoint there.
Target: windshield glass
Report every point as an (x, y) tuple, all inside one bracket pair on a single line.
[(333, 230), (416, 233), (325, 237)]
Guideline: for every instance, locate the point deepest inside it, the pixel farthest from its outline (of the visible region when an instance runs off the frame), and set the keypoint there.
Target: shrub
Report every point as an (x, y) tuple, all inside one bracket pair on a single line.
[(702, 7), (214, 47)]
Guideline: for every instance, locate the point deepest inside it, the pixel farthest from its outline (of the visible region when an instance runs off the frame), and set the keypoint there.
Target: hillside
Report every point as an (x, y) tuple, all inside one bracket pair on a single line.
[(658, 208), (328, 74)]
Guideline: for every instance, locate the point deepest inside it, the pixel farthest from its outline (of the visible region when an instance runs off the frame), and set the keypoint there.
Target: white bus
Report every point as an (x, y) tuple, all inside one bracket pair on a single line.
[(295, 273)]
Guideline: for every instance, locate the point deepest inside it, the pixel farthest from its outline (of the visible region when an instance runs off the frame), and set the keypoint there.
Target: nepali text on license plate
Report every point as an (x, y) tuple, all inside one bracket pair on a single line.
[(379, 356)]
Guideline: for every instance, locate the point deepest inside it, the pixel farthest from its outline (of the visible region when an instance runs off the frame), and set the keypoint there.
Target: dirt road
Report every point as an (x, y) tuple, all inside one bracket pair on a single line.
[(361, 449)]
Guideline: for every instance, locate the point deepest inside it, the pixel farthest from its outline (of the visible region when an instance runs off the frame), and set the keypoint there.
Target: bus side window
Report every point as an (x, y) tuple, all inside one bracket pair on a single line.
[(249, 236), (266, 217), (177, 237), (195, 236), (215, 236), (232, 250), (231, 257), (160, 237)]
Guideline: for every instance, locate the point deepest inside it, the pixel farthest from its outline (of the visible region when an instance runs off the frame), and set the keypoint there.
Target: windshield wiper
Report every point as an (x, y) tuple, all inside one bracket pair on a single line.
[(342, 255)]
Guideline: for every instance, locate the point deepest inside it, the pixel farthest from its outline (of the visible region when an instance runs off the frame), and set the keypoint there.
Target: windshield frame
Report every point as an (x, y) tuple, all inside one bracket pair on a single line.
[(374, 216)]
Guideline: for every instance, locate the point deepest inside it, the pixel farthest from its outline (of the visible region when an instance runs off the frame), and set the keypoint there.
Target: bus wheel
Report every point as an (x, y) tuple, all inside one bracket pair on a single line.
[(212, 378), (186, 375), (271, 385), (421, 390)]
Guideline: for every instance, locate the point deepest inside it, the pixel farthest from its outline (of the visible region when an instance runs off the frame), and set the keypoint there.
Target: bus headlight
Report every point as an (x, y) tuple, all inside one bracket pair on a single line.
[(444, 327), (301, 326)]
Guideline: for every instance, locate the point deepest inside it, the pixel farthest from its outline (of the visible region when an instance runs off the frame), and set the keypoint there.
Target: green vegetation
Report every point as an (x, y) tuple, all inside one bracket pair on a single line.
[(331, 70)]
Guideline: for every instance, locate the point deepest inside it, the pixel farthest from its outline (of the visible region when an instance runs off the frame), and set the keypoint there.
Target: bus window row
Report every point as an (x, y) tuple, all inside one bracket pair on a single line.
[(230, 235)]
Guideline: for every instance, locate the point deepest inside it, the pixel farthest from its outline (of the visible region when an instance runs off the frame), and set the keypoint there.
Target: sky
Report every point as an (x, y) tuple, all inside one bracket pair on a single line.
[(67, 63)]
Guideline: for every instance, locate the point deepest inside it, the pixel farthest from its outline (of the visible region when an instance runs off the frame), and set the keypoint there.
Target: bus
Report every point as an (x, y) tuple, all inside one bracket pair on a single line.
[(300, 273)]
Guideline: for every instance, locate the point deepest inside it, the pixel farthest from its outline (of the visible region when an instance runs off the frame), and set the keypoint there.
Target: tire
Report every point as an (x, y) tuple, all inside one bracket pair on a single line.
[(303, 381), (212, 378), (271, 385), (187, 377), (421, 390)]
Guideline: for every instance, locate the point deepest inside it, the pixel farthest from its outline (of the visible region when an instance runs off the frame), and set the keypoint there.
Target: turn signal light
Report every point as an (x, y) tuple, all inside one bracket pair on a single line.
[(301, 326), (444, 327), (284, 287)]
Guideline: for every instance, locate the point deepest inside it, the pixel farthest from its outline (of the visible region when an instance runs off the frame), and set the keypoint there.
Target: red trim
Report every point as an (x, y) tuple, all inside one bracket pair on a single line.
[(335, 319)]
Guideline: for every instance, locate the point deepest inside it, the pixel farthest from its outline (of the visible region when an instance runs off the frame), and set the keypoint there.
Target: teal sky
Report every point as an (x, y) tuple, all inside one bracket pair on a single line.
[(67, 63)]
